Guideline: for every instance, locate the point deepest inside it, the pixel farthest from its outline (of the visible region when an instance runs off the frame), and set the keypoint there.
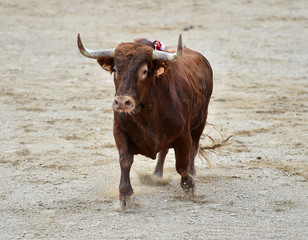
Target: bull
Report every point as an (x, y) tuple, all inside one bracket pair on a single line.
[(161, 102)]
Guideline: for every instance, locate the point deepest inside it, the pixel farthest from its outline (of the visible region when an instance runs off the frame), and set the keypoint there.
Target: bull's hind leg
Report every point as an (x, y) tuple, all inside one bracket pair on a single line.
[(159, 169), (195, 135), (183, 148), (194, 151)]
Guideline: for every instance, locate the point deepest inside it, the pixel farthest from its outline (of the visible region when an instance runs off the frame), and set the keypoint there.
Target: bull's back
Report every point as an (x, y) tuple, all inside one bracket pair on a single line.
[(193, 78)]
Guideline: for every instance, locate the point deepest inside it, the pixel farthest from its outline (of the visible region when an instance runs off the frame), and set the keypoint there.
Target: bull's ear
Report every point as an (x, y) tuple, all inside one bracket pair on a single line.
[(106, 63), (161, 68), (160, 71)]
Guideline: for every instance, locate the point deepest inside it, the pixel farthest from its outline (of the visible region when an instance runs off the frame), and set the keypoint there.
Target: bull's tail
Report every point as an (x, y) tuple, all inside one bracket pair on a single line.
[(205, 151)]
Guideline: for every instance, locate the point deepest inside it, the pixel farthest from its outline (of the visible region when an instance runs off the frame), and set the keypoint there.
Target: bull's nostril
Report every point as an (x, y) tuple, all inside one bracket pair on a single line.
[(123, 103)]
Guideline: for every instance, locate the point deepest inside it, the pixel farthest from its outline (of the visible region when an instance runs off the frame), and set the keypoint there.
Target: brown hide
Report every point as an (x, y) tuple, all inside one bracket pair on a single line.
[(170, 101)]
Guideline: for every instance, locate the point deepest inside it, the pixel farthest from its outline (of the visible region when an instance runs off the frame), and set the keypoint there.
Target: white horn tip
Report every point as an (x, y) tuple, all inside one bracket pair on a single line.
[(80, 45), (180, 46)]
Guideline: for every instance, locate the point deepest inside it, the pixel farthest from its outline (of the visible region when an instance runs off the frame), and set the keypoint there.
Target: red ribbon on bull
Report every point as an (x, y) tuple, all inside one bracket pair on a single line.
[(158, 45)]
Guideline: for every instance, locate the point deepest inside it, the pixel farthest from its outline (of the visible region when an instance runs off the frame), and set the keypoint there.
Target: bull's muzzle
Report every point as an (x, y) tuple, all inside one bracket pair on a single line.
[(124, 104)]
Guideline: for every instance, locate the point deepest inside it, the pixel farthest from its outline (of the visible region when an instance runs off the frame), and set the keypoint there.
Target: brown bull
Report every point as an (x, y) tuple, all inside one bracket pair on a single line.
[(161, 102)]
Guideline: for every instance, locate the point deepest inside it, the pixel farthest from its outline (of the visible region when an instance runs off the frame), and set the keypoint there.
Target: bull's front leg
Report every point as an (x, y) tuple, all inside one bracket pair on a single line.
[(126, 193), (126, 158)]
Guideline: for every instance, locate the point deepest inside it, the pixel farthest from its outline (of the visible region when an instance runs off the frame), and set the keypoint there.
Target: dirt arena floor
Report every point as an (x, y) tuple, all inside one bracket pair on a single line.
[(59, 170)]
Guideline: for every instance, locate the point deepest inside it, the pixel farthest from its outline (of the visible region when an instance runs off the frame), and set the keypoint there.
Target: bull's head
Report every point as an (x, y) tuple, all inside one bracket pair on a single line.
[(135, 67)]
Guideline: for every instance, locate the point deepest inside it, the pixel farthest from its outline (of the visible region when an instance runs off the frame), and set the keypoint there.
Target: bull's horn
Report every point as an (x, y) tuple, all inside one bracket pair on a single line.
[(170, 56), (93, 53)]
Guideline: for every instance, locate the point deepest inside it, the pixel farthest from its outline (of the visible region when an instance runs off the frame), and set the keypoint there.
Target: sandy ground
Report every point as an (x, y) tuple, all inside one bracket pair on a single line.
[(59, 170)]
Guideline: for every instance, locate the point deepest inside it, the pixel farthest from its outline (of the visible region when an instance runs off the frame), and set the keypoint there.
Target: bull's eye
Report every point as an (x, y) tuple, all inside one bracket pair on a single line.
[(143, 72), (114, 70)]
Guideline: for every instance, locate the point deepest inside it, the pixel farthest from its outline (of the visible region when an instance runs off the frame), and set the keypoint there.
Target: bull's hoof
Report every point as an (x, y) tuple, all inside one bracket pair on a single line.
[(188, 184), (158, 174), (127, 202)]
